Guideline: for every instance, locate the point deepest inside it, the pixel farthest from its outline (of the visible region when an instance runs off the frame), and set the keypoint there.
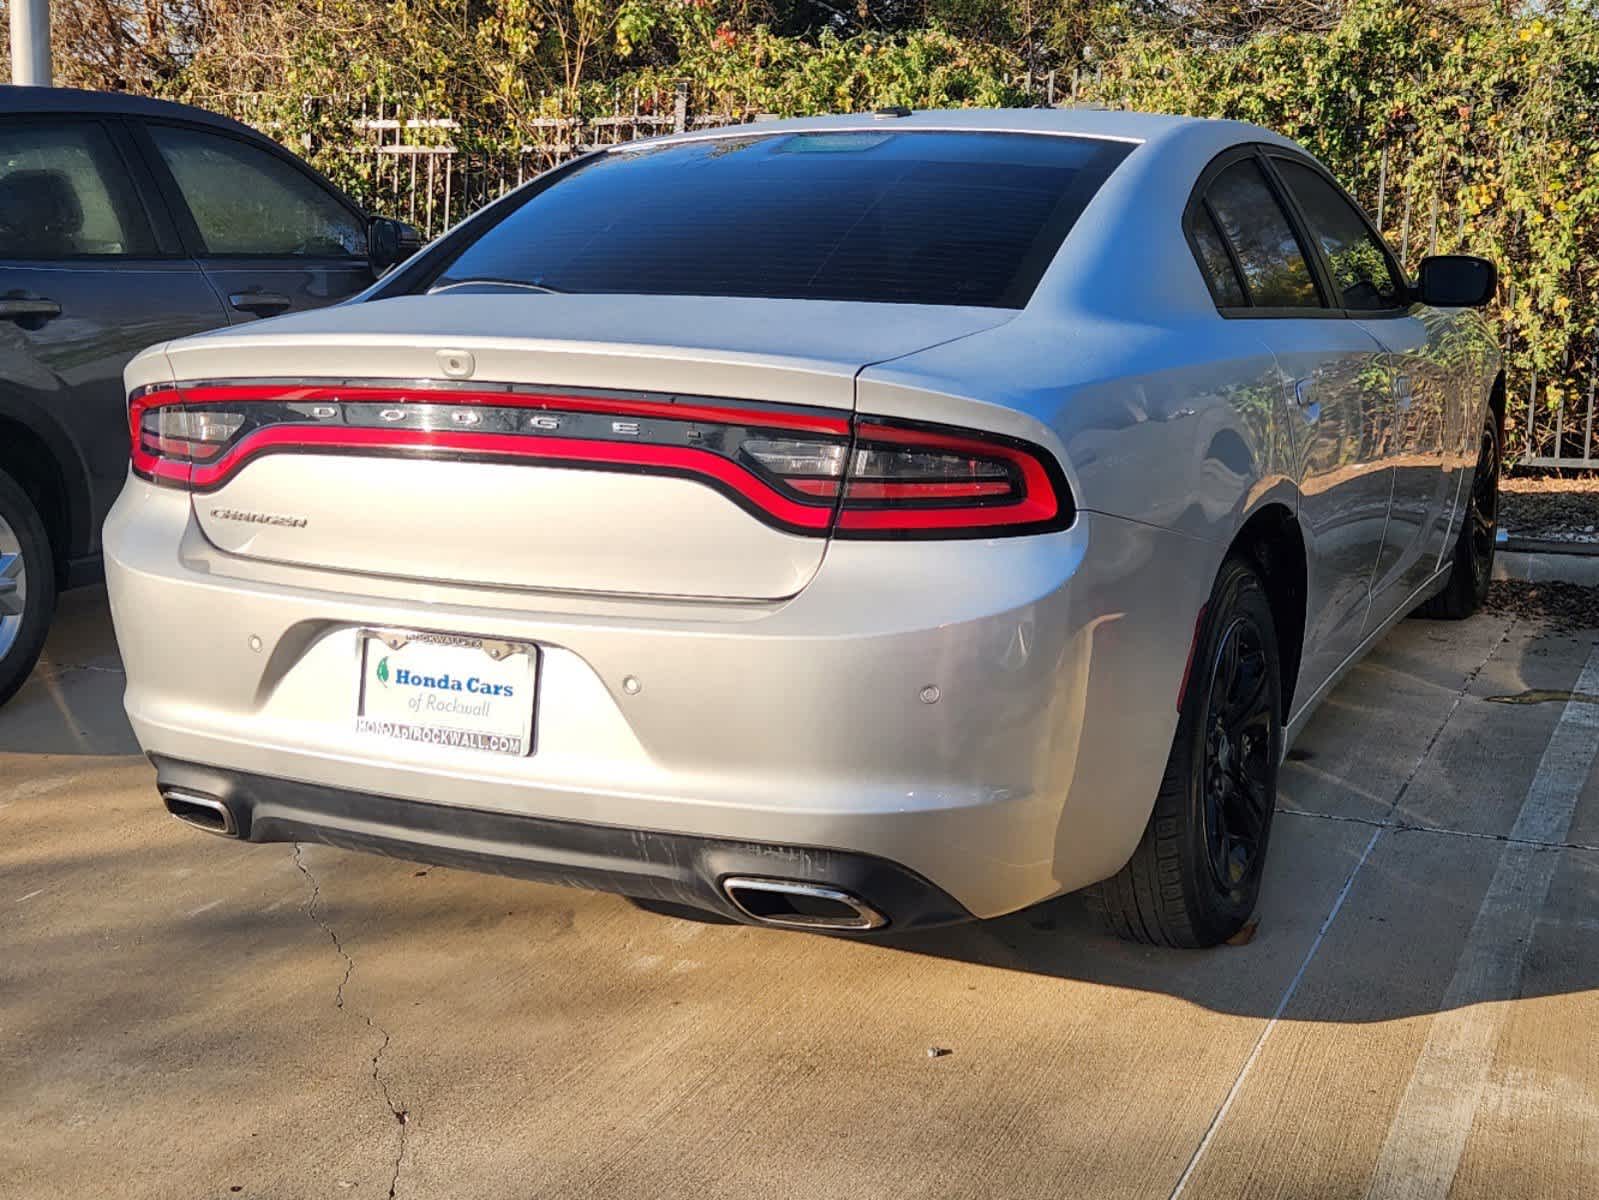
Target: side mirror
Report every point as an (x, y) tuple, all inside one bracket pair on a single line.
[(390, 242), (1456, 281)]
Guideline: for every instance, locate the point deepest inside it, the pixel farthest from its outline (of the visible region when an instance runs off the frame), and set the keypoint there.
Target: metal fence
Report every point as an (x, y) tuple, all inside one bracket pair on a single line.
[(420, 170), (432, 172), (1552, 439)]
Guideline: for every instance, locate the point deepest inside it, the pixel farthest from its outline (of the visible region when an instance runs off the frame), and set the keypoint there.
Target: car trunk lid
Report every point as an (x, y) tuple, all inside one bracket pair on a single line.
[(425, 462)]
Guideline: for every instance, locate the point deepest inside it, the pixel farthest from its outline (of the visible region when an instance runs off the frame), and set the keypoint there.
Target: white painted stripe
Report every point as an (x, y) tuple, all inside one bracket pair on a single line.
[(1427, 1136), (1282, 1005), (1382, 827)]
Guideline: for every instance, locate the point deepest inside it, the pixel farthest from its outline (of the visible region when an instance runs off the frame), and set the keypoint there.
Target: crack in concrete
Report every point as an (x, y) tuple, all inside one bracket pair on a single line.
[(400, 1115), (54, 670), (1408, 827)]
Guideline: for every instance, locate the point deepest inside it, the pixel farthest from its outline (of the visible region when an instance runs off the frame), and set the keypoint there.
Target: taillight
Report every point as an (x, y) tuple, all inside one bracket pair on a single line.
[(934, 481), (187, 435), (902, 480), (807, 471)]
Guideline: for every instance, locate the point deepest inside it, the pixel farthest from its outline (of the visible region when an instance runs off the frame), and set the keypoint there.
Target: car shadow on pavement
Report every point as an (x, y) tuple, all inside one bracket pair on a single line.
[(72, 702), (73, 710)]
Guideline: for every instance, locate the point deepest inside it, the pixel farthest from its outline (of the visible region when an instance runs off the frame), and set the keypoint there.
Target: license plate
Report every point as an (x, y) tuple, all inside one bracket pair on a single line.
[(440, 690)]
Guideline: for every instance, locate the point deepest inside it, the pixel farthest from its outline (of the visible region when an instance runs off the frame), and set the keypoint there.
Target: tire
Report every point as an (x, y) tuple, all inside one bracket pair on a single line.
[(25, 556), (1473, 555), (1195, 877)]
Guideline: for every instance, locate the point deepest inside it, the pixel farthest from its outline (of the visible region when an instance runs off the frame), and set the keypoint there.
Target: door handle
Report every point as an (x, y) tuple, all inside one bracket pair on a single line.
[(1305, 398), (18, 308), (262, 304), (1402, 392)]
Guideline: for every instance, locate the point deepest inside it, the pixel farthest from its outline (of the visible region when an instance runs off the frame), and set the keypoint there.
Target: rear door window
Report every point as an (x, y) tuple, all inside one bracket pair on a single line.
[(1215, 262), (910, 217), (1362, 269), (247, 201), (1275, 268), (65, 193)]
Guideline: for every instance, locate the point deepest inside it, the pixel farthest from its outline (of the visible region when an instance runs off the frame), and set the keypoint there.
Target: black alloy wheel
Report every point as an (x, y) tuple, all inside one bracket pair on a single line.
[(1195, 876), (1237, 773)]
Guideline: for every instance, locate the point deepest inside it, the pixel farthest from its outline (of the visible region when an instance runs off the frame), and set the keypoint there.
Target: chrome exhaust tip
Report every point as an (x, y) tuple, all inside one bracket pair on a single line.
[(790, 904), (203, 812)]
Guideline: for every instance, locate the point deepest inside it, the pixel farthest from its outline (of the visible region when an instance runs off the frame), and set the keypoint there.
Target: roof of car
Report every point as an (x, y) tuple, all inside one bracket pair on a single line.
[(77, 101), (1083, 121)]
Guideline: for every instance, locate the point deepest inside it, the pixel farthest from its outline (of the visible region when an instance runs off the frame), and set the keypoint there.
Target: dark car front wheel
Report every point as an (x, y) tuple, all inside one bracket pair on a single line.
[(27, 586), (1195, 876)]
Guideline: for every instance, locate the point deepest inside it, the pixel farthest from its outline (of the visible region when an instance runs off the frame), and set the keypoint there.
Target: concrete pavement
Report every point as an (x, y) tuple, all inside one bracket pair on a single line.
[(182, 1016)]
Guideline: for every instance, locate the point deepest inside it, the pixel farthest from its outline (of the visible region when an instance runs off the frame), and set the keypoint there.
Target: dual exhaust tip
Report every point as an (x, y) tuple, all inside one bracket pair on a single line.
[(786, 903)]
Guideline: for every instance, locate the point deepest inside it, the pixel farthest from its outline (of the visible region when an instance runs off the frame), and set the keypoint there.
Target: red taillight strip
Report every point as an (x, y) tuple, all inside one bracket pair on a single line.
[(698, 464), (1038, 506), (622, 406), (872, 508), (870, 489)]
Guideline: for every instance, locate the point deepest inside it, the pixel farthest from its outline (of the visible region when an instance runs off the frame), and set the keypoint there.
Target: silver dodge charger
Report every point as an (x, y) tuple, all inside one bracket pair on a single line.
[(858, 523)]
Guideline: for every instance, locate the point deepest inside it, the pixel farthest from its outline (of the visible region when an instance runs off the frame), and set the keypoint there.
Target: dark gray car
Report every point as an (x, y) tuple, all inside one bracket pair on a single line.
[(124, 222)]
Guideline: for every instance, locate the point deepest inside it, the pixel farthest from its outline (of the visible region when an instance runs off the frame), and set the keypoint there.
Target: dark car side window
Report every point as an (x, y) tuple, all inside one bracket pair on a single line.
[(246, 201), (65, 193), (1362, 269), (1216, 263), (1275, 269)]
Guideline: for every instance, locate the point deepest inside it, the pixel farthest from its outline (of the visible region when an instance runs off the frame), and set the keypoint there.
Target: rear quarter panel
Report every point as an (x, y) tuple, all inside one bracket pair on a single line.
[(1182, 426)]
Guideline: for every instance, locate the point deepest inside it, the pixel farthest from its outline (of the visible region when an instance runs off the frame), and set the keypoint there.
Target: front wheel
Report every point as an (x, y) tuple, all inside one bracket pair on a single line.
[(1473, 556), (1195, 876), (27, 586)]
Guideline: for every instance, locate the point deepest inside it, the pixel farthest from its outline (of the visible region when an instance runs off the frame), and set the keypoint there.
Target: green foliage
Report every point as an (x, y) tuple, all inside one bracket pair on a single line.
[(762, 72)]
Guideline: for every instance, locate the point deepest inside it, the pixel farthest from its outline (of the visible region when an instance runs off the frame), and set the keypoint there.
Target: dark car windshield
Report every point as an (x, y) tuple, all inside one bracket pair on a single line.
[(913, 217)]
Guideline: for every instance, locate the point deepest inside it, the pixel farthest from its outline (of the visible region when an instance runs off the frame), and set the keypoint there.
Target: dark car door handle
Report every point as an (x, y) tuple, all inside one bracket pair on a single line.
[(1403, 392), (262, 304), (14, 308)]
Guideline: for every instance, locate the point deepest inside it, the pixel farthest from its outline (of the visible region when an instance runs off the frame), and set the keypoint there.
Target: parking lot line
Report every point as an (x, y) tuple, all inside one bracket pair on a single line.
[(1427, 1136), (1381, 827), (1271, 1024)]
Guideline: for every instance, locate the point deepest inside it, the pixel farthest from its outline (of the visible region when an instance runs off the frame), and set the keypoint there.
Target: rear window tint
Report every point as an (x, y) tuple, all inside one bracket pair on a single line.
[(900, 217)]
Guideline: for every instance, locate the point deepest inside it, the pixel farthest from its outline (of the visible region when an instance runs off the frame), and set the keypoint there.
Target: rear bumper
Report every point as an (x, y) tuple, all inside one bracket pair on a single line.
[(672, 868), (809, 722)]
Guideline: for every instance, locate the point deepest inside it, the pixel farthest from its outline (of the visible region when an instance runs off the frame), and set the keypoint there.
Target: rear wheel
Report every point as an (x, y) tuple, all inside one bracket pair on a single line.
[(1473, 556), (27, 586), (1195, 876)]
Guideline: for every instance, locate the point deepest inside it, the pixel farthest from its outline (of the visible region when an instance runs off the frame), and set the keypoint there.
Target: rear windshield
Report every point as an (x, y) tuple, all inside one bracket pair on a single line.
[(911, 217)]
